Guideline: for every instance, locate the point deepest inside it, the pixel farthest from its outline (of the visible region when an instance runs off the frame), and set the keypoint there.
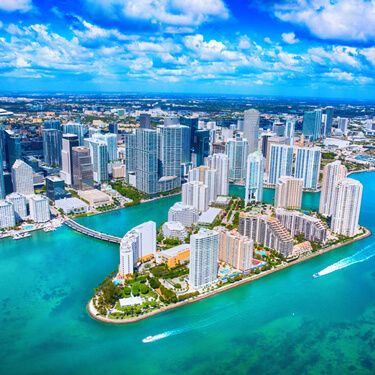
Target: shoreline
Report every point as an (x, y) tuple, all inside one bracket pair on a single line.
[(95, 315)]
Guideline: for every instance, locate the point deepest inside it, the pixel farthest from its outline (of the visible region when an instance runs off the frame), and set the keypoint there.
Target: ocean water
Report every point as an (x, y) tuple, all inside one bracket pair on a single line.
[(287, 323)]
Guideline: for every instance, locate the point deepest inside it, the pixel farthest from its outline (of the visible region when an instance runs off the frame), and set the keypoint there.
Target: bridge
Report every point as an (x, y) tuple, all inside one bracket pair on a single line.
[(92, 233)]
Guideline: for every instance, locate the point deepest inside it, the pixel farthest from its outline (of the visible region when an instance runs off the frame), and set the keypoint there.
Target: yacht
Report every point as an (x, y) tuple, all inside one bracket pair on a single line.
[(19, 236)]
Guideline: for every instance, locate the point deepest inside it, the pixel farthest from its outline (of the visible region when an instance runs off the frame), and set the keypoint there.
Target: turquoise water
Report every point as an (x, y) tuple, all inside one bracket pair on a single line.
[(285, 323)]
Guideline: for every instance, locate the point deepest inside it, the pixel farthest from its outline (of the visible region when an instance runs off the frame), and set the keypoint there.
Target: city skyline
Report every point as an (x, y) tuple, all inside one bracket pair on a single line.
[(310, 48)]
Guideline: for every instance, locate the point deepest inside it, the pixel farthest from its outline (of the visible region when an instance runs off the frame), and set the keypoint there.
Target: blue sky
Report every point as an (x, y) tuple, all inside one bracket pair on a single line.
[(291, 48)]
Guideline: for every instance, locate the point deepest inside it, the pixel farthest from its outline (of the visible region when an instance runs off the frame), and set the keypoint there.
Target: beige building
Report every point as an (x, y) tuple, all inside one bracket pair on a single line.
[(236, 250), (95, 198), (288, 193)]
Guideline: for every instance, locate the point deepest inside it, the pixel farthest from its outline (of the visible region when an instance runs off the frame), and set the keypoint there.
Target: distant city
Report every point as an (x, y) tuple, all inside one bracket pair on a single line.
[(64, 157)]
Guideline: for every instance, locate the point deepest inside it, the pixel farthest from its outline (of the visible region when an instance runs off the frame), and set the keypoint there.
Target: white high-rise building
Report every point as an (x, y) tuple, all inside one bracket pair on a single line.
[(138, 245), (220, 162), (290, 130), (195, 194), (208, 177), (75, 128), (251, 128), (343, 124), (280, 162), (68, 142), (347, 206), (204, 256), (254, 178), (288, 192), (99, 159), (308, 166), (39, 209), (7, 216), (333, 173), (111, 141), (237, 150), (22, 178), (187, 215), (19, 204)]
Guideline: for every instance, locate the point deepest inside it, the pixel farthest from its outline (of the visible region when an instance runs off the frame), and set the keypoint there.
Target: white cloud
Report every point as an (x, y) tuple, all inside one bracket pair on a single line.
[(244, 42), (141, 64), (289, 38), (327, 19), (15, 5), (369, 53), (169, 12), (340, 75), (268, 40), (336, 55)]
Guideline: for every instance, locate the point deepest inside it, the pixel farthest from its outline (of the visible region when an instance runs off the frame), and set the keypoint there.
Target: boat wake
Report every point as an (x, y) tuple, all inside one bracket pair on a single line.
[(361, 256), (161, 336)]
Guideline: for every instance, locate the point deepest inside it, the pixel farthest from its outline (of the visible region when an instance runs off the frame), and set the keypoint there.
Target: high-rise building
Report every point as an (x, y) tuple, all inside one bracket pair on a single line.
[(288, 192), (39, 209), (280, 162), (237, 150), (187, 215), (251, 128), (333, 173), (290, 126), (19, 205), (268, 142), (147, 161), (308, 166), (254, 178), (297, 223), (347, 206), (52, 142), (7, 216), (204, 256), (342, 124), (82, 168), (329, 118), (201, 146), (312, 124), (279, 128), (99, 159), (192, 124), (113, 128), (138, 245), (170, 151), (22, 178), (195, 194), (52, 124), (220, 162), (235, 249), (2, 183), (55, 188), (13, 149), (76, 128), (130, 143), (111, 141), (145, 121), (208, 177), (68, 142)]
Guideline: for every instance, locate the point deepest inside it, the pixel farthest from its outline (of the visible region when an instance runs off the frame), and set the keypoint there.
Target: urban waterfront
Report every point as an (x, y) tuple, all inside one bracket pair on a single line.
[(287, 320)]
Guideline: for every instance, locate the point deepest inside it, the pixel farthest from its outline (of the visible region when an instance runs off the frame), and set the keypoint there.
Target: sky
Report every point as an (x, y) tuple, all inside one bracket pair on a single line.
[(317, 48)]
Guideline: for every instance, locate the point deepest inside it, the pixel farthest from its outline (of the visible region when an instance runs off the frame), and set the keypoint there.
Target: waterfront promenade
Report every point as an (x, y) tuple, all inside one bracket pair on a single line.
[(91, 233)]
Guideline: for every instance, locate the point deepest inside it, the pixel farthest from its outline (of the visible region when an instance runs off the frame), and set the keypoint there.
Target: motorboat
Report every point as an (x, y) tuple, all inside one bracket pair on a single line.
[(19, 236), (148, 339)]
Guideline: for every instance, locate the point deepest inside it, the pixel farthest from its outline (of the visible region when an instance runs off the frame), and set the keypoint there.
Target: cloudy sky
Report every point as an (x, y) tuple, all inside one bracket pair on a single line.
[(292, 48)]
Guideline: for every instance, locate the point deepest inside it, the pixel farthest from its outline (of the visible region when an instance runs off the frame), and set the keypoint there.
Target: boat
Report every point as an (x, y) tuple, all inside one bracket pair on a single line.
[(49, 229), (148, 339), (315, 275), (19, 236)]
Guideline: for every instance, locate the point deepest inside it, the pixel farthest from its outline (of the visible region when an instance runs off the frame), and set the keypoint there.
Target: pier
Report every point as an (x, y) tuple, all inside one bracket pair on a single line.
[(91, 233)]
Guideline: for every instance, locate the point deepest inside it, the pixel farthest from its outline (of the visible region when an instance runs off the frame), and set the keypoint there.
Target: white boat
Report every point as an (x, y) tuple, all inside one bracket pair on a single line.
[(148, 339), (315, 275), (19, 236), (49, 229)]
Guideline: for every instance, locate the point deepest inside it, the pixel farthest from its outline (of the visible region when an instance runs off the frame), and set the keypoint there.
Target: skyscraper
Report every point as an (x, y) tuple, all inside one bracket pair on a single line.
[(288, 192), (145, 121), (187, 215), (22, 178), (2, 183), (130, 143), (237, 150), (19, 205), (280, 162), (82, 168), (39, 209), (201, 146), (329, 113), (312, 124), (203, 266), (195, 194), (113, 128), (99, 159), (279, 128), (76, 128), (192, 124), (55, 188), (68, 142), (333, 173), (13, 150), (290, 130), (308, 166), (254, 178), (251, 128), (147, 160), (343, 124), (52, 142), (347, 206), (52, 124), (7, 216), (111, 141), (220, 162)]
